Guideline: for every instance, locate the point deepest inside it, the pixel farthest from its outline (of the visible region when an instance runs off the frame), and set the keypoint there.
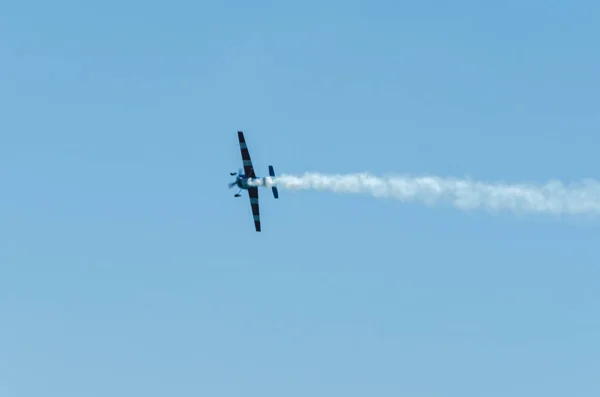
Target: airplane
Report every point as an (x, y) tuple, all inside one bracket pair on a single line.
[(246, 177)]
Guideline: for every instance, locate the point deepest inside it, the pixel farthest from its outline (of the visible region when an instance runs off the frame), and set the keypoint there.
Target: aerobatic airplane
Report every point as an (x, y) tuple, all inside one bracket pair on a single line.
[(246, 177)]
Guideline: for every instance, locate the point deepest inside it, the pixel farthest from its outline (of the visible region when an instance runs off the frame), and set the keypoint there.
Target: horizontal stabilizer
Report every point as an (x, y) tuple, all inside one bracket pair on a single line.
[(273, 188)]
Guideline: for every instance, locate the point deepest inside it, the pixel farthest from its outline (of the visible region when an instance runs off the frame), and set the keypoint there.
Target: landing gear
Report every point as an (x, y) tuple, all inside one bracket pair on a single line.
[(233, 173), (238, 194)]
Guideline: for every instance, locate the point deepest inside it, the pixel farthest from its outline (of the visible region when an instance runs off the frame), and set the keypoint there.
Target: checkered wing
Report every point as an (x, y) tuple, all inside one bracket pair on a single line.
[(248, 167), (253, 194)]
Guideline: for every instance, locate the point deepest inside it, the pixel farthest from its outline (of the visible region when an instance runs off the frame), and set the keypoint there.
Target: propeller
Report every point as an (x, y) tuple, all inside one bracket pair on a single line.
[(239, 174)]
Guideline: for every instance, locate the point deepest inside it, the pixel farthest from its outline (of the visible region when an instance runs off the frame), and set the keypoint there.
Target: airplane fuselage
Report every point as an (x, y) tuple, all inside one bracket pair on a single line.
[(246, 183)]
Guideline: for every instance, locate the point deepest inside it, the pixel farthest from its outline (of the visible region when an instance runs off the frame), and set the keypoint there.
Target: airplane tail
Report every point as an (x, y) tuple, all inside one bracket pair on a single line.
[(273, 188)]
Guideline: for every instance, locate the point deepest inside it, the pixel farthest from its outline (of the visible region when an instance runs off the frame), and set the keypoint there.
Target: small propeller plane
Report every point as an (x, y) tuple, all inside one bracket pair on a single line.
[(247, 180)]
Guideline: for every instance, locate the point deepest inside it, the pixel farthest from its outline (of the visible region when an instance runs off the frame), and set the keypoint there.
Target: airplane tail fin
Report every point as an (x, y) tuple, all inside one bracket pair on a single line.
[(273, 188)]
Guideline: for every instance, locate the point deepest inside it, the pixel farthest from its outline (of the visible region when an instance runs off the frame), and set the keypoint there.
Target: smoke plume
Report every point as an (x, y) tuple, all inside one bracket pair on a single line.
[(553, 197)]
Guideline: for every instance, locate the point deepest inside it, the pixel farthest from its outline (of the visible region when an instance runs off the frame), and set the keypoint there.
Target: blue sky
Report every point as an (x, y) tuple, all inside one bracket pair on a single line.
[(127, 267)]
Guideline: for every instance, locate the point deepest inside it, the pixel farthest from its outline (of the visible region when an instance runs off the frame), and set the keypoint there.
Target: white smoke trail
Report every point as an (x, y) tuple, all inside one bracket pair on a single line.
[(554, 197)]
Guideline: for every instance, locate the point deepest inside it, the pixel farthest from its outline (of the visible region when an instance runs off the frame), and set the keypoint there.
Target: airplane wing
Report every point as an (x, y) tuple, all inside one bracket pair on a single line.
[(248, 167), (253, 194)]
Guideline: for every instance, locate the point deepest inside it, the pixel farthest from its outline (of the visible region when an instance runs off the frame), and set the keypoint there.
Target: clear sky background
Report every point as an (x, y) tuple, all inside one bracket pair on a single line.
[(128, 268)]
